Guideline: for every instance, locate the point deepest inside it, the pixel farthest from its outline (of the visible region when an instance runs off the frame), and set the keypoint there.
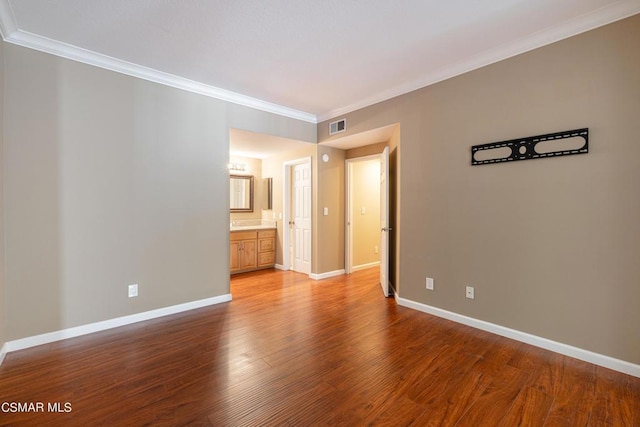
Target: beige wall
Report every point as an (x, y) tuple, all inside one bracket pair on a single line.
[(364, 184), (329, 244), (550, 245), (366, 150), (112, 180), (253, 168)]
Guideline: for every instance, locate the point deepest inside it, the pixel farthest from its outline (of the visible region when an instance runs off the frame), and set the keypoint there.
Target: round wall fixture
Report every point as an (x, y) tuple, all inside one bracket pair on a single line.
[(325, 158)]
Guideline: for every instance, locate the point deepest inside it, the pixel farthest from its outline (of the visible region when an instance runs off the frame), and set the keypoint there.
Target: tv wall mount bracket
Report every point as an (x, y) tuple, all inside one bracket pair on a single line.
[(525, 148)]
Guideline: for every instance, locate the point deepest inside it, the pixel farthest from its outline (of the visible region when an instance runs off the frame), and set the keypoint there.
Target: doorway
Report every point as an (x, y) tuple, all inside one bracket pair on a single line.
[(297, 219), (367, 239), (362, 213)]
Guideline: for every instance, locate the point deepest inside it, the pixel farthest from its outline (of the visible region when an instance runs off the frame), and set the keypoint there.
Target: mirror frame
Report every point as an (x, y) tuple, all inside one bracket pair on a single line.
[(247, 178)]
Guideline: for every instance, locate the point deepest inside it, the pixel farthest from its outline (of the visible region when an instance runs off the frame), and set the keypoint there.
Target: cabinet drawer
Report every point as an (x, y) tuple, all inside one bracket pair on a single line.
[(266, 245), (243, 235), (266, 258), (262, 234)]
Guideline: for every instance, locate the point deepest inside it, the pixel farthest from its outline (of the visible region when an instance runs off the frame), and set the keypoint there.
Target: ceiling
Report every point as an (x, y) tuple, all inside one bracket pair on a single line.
[(307, 59)]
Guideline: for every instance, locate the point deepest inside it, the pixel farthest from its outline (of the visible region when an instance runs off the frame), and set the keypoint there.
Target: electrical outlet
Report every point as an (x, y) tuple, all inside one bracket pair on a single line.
[(470, 292), (133, 290), (375, 249), (429, 283)]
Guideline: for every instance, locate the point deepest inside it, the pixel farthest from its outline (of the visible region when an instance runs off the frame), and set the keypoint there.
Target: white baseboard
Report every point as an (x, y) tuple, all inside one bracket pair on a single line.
[(326, 275), (365, 266), (557, 347), (280, 267), (33, 341)]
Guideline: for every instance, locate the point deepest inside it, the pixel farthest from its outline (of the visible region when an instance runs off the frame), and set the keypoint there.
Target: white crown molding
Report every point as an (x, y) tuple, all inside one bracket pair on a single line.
[(589, 21), (603, 16), (7, 20), (557, 347), (12, 34)]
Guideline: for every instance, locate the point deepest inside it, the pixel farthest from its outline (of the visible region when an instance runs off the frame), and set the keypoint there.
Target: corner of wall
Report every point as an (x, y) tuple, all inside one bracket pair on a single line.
[(3, 317)]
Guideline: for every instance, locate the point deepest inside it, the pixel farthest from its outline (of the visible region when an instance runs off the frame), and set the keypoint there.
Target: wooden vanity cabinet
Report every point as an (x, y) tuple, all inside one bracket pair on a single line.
[(266, 248), (251, 250), (243, 251)]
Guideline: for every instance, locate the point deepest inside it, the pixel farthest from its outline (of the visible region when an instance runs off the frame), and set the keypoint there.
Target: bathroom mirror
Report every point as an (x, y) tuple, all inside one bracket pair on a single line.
[(241, 192)]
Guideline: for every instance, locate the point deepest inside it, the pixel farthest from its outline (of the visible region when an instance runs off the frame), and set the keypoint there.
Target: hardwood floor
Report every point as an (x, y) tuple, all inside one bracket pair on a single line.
[(291, 351)]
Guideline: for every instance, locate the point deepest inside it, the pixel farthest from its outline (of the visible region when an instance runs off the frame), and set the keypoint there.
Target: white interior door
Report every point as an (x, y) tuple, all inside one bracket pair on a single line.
[(384, 221), (301, 203), (348, 253)]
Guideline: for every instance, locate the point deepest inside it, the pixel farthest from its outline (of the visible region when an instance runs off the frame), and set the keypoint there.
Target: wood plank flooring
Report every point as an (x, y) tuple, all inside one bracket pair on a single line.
[(289, 351)]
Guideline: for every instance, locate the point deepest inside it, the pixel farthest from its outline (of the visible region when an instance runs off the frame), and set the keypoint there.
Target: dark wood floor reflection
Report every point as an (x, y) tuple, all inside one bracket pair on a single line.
[(291, 351)]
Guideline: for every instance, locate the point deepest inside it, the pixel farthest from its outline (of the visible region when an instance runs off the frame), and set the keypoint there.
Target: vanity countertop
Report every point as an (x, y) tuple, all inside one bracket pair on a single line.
[(251, 227), (252, 224)]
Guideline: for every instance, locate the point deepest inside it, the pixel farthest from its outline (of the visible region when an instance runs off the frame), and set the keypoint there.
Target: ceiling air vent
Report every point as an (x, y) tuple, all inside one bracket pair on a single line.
[(337, 126)]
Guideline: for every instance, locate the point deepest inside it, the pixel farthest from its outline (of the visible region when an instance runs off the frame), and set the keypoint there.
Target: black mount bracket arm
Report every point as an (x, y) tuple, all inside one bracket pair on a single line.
[(533, 147)]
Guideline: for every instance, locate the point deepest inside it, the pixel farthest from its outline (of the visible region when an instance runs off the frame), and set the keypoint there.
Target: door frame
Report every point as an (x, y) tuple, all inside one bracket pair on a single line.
[(348, 245), (287, 263), (385, 224)]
